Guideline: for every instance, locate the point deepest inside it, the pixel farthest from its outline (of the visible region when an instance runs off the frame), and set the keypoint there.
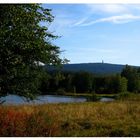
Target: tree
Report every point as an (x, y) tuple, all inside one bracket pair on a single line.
[(120, 84), (133, 77), (83, 82), (110, 84), (45, 82), (66, 81), (24, 43), (123, 84)]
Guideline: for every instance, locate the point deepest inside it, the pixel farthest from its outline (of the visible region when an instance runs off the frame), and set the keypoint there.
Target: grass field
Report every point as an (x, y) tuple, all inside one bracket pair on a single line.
[(118, 118)]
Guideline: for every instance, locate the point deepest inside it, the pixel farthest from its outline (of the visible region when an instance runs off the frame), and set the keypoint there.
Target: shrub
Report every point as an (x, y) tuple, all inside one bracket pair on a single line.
[(93, 97), (61, 91), (123, 95)]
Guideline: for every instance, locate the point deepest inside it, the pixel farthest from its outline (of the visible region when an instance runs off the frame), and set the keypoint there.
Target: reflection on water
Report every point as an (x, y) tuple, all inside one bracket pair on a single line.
[(14, 99), (106, 99)]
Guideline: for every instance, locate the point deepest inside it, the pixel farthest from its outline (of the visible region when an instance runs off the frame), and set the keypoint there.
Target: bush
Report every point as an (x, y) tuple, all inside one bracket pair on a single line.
[(125, 95), (61, 91), (93, 97)]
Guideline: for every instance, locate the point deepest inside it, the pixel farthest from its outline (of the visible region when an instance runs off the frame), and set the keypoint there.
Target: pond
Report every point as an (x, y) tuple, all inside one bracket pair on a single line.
[(106, 99), (14, 99)]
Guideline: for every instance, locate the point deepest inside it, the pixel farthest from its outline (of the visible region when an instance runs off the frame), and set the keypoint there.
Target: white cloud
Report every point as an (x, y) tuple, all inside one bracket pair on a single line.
[(62, 26), (113, 13), (112, 19), (80, 21), (108, 8)]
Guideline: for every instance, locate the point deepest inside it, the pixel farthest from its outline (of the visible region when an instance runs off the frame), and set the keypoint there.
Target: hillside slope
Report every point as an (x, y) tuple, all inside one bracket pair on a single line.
[(97, 68)]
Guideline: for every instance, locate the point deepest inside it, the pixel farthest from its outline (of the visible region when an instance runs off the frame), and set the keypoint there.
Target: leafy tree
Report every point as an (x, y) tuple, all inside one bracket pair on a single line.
[(133, 77), (135, 82), (110, 84), (120, 84), (24, 43), (123, 85)]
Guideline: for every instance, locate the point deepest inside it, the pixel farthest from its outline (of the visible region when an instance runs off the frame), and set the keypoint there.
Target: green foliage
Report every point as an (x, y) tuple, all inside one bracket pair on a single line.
[(128, 96), (94, 97), (123, 95), (123, 85), (61, 91), (24, 43), (83, 82), (133, 76)]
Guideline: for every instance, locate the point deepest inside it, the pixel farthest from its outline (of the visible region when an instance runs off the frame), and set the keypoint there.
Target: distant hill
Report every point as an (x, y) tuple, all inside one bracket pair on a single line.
[(96, 68)]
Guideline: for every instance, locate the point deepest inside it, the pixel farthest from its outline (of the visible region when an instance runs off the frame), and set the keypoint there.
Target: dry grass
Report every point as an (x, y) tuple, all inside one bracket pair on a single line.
[(120, 118)]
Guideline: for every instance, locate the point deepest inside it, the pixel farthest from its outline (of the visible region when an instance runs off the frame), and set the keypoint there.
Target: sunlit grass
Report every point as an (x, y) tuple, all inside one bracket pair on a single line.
[(119, 118)]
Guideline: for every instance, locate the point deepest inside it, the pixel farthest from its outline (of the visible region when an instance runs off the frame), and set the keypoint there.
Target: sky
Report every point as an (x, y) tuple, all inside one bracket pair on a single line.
[(91, 33)]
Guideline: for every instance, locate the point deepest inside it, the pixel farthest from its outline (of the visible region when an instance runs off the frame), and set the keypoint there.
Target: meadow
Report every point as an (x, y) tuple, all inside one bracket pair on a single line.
[(95, 119)]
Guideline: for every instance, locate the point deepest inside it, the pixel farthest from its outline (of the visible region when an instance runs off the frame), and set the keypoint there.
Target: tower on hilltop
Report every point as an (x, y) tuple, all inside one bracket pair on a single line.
[(102, 61)]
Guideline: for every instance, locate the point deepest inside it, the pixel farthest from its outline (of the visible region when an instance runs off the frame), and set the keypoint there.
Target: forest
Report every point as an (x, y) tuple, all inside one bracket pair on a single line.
[(85, 82)]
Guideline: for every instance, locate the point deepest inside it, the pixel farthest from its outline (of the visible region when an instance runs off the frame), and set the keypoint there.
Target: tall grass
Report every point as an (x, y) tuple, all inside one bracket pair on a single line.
[(119, 118)]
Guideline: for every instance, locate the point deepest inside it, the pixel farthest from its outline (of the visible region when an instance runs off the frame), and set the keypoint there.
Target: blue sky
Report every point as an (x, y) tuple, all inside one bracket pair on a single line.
[(95, 32)]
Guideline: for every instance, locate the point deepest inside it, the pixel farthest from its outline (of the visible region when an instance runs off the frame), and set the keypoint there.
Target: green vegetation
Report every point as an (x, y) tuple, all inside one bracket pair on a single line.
[(24, 43), (84, 84), (133, 77), (128, 96), (88, 83), (119, 118)]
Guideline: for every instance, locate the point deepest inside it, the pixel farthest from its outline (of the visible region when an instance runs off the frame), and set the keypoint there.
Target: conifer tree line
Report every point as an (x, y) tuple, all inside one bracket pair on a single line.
[(85, 82)]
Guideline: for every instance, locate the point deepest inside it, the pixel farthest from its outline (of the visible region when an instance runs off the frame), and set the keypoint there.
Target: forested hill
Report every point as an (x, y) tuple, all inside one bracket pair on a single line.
[(97, 68)]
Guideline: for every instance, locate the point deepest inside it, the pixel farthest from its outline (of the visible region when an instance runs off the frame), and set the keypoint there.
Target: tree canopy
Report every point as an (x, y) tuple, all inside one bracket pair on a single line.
[(25, 41), (133, 76)]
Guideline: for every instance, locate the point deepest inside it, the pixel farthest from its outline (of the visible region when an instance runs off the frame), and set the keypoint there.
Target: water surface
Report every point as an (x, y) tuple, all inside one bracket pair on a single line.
[(14, 99)]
